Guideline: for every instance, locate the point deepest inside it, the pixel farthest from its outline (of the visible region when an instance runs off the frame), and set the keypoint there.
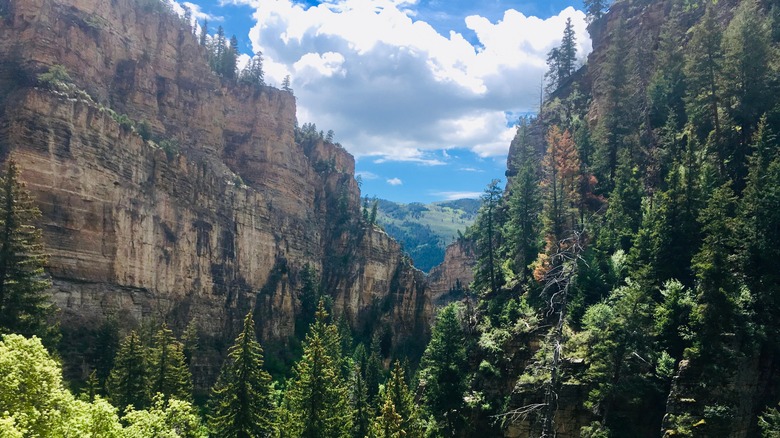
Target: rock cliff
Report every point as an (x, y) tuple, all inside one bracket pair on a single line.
[(452, 278), (220, 220)]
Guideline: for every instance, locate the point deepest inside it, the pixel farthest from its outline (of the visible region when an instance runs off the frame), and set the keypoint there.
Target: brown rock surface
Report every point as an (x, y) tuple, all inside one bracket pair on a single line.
[(450, 279), (222, 227)]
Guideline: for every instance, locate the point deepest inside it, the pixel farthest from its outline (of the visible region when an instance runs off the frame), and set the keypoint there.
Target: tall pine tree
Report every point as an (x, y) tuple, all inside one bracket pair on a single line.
[(317, 396), (24, 307), (128, 382), (242, 403), (168, 371)]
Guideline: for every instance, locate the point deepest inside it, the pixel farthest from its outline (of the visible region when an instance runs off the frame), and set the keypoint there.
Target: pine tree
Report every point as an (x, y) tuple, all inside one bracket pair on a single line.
[(286, 84), (666, 91), (443, 371), (567, 61), (562, 60), (361, 408), (521, 233), (621, 359), (242, 404), (204, 31), (624, 214), (374, 369), (397, 392), (747, 70), (616, 129), (561, 183), (703, 69), (317, 396), (168, 371), (24, 307), (388, 424), (252, 73), (128, 382), (759, 232), (487, 276)]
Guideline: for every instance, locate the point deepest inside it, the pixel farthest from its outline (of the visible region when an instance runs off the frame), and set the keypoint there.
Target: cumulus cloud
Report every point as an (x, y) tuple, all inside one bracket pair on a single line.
[(195, 10), (393, 87), (394, 181)]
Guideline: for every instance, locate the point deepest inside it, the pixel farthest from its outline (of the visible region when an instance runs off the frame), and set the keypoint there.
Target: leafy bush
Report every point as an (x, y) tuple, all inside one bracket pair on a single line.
[(56, 78)]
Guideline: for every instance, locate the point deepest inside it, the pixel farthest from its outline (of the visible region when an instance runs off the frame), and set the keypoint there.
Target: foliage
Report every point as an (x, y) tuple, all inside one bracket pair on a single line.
[(56, 78), (169, 374), (443, 371), (241, 402), (128, 382), (34, 402), (24, 305), (164, 419), (487, 273), (317, 398), (769, 423), (562, 60)]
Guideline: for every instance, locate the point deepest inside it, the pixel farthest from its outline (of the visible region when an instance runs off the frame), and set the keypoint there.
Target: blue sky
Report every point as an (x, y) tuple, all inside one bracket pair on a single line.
[(423, 93)]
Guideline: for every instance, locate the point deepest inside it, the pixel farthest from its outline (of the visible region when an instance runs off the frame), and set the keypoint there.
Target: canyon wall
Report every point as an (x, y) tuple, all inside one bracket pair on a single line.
[(219, 221)]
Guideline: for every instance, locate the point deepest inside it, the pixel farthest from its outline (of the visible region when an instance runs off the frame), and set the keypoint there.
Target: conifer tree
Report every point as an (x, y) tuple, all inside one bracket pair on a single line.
[(388, 424), (286, 84), (562, 60), (759, 232), (168, 371), (567, 62), (521, 232), (361, 408), (747, 70), (561, 183), (397, 392), (621, 357), (443, 371), (615, 128), (487, 276), (252, 73), (703, 69), (242, 404), (204, 31), (317, 396), (24, 307), (128, 382), (374, 369)]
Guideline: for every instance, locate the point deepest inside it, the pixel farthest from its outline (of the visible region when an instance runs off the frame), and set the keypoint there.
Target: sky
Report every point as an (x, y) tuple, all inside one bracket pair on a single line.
[(424, 93)]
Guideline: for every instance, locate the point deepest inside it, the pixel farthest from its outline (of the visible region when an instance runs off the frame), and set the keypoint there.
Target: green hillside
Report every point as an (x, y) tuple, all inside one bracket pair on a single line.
[(425, 230)]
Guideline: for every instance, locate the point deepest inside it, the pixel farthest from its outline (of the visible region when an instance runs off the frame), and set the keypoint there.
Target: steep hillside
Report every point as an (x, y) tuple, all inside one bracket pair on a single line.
[(214, 212), (627, 280), (425, 230)]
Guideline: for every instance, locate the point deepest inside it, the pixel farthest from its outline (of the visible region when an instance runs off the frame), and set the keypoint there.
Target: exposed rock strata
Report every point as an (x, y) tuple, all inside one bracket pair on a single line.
[(220, 228)]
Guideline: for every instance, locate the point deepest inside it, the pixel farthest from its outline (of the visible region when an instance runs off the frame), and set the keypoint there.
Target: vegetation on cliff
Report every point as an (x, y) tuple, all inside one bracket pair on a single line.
[(628, 281)]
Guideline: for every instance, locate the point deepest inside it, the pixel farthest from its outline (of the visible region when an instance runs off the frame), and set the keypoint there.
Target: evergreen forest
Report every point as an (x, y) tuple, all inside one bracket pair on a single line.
[(627, 280)]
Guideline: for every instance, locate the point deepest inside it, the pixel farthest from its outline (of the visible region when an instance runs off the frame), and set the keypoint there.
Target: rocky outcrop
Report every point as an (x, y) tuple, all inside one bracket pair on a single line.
[(452, 278), (220, 221)]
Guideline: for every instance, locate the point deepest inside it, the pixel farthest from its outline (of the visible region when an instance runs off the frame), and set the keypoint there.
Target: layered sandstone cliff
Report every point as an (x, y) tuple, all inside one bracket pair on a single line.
[(206, 233)]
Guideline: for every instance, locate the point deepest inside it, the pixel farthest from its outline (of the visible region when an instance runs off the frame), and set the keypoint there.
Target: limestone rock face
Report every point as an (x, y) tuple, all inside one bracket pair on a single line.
[(450, 279), (218, 225)]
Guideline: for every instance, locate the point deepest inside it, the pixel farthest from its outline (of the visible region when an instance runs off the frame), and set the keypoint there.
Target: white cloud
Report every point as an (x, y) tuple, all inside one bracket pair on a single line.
[(392, 87), (366, 175), (197, 12), (394, 181), (453, 196)]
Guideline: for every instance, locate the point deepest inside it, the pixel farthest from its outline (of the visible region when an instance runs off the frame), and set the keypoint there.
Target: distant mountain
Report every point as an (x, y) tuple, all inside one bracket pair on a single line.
[(425, 230)]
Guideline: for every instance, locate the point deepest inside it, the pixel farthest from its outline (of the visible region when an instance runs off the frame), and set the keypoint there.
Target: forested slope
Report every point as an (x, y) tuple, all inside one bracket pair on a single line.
[(628, 281)]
